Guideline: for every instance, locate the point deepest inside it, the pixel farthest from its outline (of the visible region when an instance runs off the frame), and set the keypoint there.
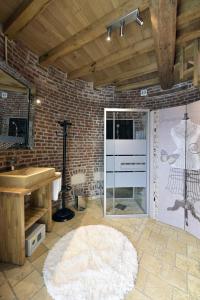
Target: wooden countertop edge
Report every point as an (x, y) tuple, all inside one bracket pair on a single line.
[(24, 191)]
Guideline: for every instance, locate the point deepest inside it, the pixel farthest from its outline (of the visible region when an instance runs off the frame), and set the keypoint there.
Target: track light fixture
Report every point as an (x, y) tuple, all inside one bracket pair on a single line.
[(138, 19), (133, 16), (122, 25), (109, 31)]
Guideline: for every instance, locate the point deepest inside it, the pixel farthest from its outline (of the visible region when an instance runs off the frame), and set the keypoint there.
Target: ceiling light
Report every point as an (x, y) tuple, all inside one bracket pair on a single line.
[(38, 101), (133, 16), (139, 20), (122, 28), (109, 31)]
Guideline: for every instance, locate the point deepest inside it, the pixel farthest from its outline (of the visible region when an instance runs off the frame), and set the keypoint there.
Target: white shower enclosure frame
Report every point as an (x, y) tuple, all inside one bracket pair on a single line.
[(147, 162)]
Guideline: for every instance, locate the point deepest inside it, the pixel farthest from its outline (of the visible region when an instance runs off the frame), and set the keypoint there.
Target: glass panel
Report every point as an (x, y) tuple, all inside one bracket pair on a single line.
[(192, 223), (171, 166), (126, 163)]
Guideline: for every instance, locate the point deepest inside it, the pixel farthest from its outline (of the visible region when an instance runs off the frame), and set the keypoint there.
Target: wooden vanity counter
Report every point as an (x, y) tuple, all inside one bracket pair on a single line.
[(15, 219)]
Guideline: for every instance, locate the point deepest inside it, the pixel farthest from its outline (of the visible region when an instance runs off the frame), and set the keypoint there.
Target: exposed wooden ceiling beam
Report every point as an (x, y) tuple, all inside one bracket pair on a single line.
[(163, 19), (187, 37), (23, 15), (112, 59), (91, 32), (196, 79), (189, 16), (127, 75), (136, 85), (7, 87)]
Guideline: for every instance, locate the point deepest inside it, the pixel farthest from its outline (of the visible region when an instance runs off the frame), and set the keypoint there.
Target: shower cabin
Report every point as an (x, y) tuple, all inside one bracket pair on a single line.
[(126, 162), (166, 141)]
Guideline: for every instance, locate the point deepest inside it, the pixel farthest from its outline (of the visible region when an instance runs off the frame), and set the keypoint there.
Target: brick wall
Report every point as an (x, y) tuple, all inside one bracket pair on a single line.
[(75, 101), (180, 94), (79, 103)]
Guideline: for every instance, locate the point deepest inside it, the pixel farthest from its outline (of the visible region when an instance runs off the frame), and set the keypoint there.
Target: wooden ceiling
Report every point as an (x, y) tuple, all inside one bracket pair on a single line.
[(9, 83), (71, 35)]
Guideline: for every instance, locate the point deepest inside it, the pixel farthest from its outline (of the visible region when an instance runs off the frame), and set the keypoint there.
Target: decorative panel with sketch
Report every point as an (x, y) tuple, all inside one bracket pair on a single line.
[(193, 169), (178, 172), (171, 165)]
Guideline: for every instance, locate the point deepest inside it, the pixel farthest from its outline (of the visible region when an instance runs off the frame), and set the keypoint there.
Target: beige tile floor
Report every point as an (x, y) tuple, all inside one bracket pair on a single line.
[(169, 260)]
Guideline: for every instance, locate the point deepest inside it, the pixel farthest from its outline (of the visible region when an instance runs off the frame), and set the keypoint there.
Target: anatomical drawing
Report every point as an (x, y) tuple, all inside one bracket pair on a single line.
[(184, 175)]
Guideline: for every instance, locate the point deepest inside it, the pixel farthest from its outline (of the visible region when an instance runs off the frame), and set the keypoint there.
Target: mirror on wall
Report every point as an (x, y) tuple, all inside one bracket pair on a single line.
[(15, 113)]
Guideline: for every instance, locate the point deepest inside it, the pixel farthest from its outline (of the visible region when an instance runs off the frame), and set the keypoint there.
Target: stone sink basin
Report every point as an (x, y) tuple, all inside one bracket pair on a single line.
[(26, 177)]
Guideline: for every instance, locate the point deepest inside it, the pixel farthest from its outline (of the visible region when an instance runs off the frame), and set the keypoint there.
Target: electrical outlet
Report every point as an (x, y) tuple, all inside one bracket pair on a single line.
[(4, 95), (143, 92)]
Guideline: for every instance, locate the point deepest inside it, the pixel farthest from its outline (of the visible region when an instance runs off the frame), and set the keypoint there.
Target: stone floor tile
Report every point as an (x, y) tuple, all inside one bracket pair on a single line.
[(51, 239), (6, 292), (187, 238), (193, 252), (146, 246), (157, 289), (42, 294), (177, 246), (15, 273), (63, 230), (168, 258), (194, 286), (174, 276), (2, 278), (141, 278), (151, 264), (26, 288), (136, 295), (180, 295), (165, 255), (169, 232), (39, 263), (158, 239), (188, 265)]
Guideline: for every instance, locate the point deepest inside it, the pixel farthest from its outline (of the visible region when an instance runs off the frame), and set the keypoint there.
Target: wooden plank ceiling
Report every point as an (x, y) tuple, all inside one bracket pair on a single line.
[(71, 35), (9, 83)]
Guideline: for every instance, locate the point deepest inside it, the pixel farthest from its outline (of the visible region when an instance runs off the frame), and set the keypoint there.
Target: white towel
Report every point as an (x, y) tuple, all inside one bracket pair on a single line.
[(56, 187)]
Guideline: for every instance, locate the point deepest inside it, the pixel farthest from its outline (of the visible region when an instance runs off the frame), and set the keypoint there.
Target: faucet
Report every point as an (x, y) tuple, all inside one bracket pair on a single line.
[(16, 128), (12, 163)]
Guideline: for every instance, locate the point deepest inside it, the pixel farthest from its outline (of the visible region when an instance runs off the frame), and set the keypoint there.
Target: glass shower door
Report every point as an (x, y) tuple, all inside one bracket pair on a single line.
[(126, 162)]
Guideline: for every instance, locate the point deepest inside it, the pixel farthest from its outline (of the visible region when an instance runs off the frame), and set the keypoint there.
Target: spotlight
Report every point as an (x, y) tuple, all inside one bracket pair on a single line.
[(122, 24), (109, 31), (38, 101), (139, 20)]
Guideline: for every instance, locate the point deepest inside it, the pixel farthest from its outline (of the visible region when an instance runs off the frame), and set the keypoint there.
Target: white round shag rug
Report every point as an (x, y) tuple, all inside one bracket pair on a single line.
[(94, 262)]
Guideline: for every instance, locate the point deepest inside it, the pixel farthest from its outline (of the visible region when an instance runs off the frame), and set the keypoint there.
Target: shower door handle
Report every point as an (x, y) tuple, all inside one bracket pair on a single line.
[(186, 214)]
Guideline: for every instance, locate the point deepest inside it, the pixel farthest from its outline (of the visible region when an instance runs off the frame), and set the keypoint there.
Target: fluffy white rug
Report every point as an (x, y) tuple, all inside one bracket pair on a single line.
[(94, 262)]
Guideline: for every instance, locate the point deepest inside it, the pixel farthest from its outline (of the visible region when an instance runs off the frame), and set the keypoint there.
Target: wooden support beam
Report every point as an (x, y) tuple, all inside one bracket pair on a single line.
[(136, 85), (117, 57), (187, 37), (91, 32), (128, 75), (163, 19), (196, 79), (189, 16), (23, 15), (12, 88), (182, 63)]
